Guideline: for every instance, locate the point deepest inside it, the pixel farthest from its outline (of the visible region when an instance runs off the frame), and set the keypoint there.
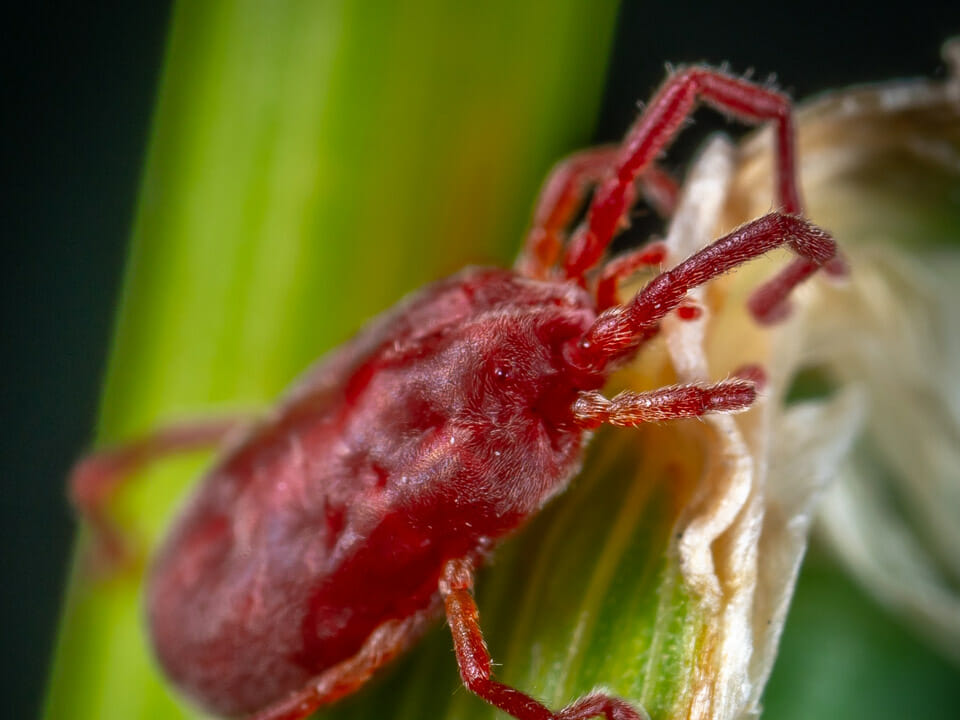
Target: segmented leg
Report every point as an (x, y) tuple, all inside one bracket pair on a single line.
[(622, 329), (97, 477), (564, 191), (384, 644), (622, 266), (654, 131), (629, 409), (473, 658)]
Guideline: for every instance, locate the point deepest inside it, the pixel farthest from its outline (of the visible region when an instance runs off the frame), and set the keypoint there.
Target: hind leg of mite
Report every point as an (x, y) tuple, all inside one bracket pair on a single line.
[(456, 588), (96, 478)]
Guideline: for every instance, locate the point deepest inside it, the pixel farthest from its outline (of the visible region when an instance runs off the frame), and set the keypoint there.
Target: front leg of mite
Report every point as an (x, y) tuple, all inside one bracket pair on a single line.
[(564, 192), (473, 658)]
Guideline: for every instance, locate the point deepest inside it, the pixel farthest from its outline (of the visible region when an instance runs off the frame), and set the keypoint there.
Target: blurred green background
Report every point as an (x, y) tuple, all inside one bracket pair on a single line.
[(83, 84)]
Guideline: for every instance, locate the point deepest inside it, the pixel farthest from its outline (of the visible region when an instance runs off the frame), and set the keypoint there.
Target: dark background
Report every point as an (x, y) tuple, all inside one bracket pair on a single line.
[(78, 87)]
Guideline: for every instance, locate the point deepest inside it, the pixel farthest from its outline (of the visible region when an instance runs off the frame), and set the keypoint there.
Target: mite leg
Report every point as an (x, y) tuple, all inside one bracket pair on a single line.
[(768, 303), (620, 330), (660, 190), (622, 266), (97, 477), (473, 658), (654, 131), (384, 644), (629, 409), (565, 189)]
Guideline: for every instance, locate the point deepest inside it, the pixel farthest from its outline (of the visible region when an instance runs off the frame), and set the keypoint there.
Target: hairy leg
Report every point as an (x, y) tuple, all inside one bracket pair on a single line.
[(473, 658), (620, 330), (655, 130), (769, 303), (622, 266), (96, 478), (629, 409), (564, 191)]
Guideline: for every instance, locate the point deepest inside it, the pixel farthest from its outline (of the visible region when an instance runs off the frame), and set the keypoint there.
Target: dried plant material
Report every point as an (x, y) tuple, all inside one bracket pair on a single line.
[(879, 165), (881, 169), (743, 534), (895, 517)]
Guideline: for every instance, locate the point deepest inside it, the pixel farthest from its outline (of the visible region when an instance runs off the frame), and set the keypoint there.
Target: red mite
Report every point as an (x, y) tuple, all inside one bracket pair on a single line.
[(327, 538)]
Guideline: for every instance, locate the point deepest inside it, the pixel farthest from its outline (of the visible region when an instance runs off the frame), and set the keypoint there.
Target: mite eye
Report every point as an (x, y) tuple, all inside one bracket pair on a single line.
[(501, 372)]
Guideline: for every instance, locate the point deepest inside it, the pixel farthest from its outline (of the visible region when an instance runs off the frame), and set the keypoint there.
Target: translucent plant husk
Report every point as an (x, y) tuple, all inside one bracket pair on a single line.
[(881, 168), (665, 572)]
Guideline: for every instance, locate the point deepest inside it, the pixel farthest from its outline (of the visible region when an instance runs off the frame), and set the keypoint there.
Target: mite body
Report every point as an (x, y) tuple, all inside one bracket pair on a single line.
[(439, 428), (327, 537)]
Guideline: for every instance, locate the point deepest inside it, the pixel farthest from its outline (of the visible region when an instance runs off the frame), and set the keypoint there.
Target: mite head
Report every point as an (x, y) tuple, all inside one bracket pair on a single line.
[(519, 368)]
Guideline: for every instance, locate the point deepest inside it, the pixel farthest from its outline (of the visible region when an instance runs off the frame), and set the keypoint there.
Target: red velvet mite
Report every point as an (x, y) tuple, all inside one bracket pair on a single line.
[(327, 537)]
